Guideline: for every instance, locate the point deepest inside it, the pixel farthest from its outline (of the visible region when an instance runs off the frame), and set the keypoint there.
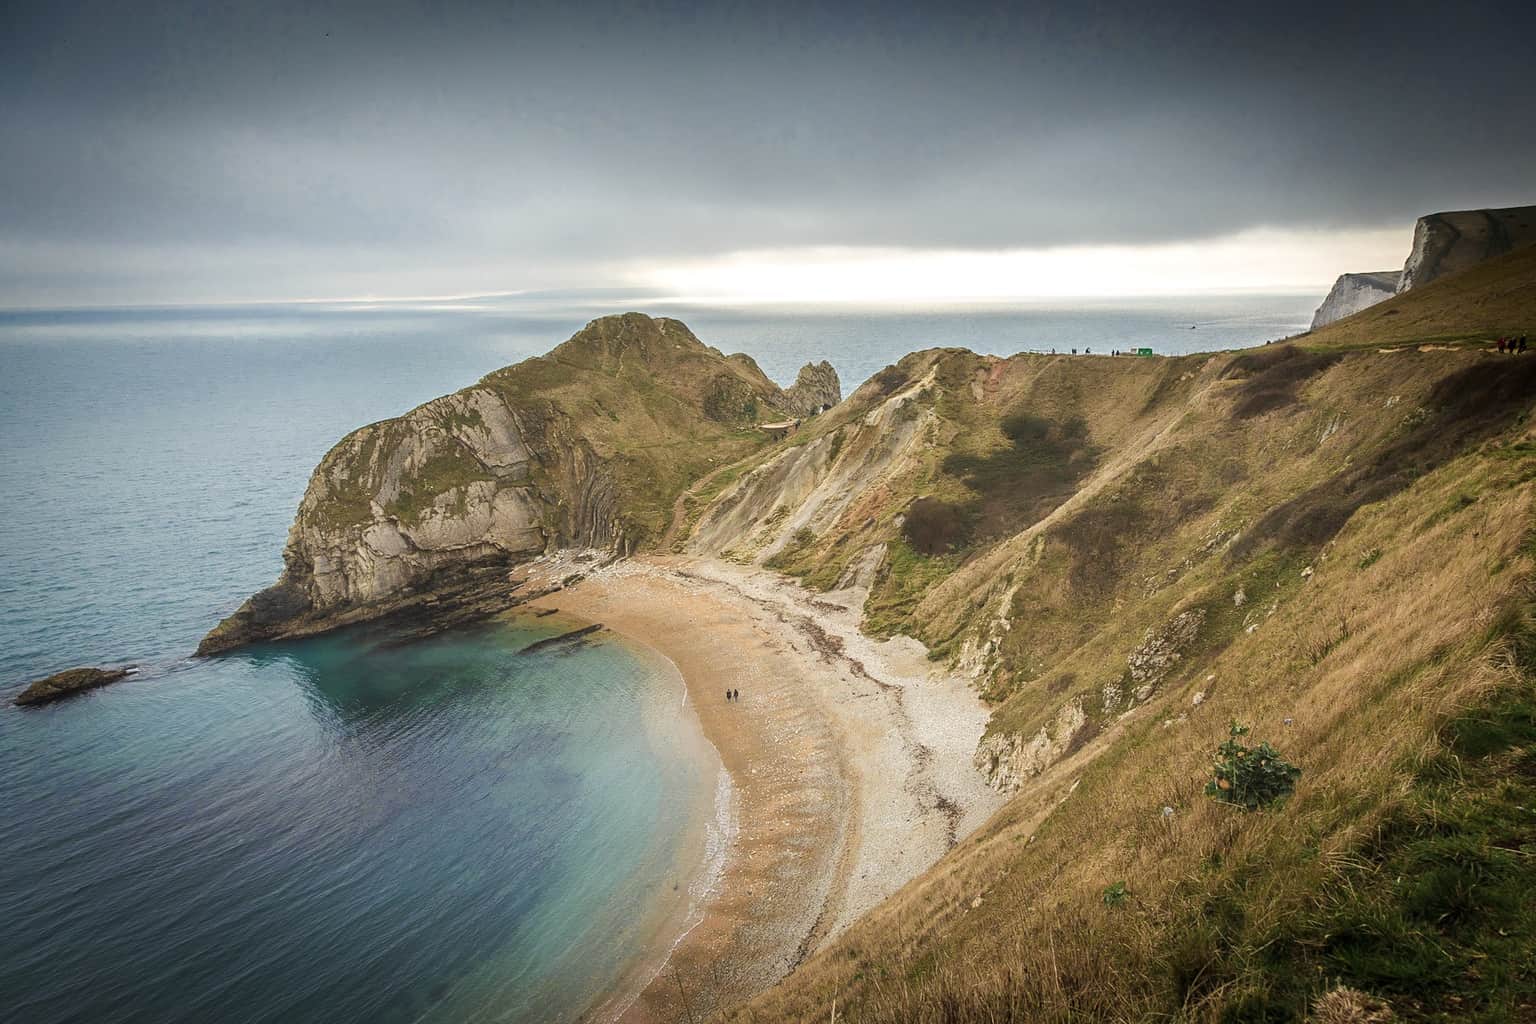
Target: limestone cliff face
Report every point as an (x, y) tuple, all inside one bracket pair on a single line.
[(1353, 292), (585, 447), (1444, 243)]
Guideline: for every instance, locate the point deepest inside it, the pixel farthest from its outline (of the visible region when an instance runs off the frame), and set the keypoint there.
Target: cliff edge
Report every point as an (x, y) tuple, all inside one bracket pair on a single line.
[(1444, 243)]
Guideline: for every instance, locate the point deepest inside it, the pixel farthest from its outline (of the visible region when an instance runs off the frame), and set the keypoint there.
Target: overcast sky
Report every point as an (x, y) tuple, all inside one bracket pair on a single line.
[(188, 152)]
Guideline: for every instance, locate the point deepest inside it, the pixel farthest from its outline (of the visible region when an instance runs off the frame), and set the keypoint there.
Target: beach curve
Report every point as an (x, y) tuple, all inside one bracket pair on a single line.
[(848, 759)]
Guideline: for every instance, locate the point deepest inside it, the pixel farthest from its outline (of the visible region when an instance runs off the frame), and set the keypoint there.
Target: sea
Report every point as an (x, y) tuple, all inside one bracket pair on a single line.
[(345, 829)]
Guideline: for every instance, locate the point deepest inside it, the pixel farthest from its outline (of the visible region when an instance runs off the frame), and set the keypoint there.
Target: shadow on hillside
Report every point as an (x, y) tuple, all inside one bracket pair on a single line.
[(1464, 408)]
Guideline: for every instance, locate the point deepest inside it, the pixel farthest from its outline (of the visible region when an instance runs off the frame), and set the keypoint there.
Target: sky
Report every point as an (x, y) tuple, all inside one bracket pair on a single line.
[(167, 152)]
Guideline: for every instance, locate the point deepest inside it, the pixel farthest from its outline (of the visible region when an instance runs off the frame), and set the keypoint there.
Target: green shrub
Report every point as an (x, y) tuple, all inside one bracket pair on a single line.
[(1114, 895), (1251, 777)]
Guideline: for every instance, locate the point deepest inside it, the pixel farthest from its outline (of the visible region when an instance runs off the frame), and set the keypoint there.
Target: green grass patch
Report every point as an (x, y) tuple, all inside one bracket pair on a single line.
[(442, 472), (903, 580), (1433, 912)]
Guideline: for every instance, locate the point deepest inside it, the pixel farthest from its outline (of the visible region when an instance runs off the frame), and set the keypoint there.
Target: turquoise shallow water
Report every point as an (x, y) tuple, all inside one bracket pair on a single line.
[(337, 830)]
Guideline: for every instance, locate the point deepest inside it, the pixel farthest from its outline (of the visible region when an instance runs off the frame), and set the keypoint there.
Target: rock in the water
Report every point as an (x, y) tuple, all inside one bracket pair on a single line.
[(1353, 292), (70, 682), (575, 636)]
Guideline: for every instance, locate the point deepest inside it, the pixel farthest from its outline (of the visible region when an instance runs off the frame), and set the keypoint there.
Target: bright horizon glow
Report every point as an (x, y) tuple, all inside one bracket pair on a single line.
[(1256, 261), (1262, 260)]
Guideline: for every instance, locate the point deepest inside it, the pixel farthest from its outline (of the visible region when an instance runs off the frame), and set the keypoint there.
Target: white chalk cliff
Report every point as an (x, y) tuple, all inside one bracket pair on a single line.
[(1353, 292)]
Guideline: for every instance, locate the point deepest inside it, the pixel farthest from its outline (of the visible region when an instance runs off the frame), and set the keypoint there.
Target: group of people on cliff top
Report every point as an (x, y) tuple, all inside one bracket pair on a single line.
[(1512, 345), (1114, 352)]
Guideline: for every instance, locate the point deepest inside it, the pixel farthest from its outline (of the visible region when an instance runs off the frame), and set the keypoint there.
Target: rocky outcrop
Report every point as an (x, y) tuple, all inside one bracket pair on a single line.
[(1444, 243), (70, 682), (1008, 760), (1161, 650), (814, 390), (425, 514), (1353, 292)]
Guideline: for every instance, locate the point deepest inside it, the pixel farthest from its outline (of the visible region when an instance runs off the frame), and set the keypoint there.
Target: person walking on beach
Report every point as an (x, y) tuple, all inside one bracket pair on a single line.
[(1501, 344), (727, 694)]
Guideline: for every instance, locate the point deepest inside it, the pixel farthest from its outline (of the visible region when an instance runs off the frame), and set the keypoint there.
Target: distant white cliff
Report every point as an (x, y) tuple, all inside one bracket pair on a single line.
[(1353, 292)]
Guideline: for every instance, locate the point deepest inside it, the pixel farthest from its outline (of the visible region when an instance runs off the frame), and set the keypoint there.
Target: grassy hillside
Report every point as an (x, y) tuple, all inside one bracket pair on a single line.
[(1326, 542), (659, 407)]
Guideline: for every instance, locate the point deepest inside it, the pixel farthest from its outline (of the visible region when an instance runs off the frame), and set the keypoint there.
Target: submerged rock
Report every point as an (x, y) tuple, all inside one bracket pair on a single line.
[(574, 637), (70, 682)]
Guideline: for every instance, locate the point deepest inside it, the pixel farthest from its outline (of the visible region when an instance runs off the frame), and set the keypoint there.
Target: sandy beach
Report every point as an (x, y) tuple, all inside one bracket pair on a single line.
[(849, 761)]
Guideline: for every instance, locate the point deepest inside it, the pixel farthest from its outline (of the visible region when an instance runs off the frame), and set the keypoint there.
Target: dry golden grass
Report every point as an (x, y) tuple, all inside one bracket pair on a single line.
[(1352, 670), (1344, 1005), (1043, 945)]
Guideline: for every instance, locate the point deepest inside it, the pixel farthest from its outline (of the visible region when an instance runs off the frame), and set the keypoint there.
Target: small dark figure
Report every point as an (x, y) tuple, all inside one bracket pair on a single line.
[(1501, 344), (727, 694), (736, 695), (1522, 343)]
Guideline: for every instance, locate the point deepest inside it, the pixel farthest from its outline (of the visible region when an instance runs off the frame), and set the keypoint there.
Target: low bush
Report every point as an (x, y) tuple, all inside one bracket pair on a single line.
[(1251, 777)]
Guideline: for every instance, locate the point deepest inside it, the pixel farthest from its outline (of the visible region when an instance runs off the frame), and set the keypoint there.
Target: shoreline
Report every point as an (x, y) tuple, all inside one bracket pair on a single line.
[(848, 760), (712, 830)]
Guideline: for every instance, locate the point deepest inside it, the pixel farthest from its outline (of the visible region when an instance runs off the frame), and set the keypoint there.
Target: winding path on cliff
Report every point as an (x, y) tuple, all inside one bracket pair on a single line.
[(680, 506)]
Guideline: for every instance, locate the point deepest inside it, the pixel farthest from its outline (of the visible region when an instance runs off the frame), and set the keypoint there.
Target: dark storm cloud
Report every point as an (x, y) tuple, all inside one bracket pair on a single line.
[(207, 150)]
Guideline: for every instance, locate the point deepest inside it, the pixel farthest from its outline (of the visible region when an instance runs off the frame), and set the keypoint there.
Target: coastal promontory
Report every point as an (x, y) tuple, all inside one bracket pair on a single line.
[(588, 446)]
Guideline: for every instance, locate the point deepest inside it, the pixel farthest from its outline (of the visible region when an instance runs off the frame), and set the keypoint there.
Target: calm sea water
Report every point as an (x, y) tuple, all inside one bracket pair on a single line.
[(336, 830)]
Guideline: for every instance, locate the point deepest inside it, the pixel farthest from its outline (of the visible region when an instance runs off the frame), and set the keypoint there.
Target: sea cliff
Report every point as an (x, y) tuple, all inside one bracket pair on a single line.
[(1353, 292)]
